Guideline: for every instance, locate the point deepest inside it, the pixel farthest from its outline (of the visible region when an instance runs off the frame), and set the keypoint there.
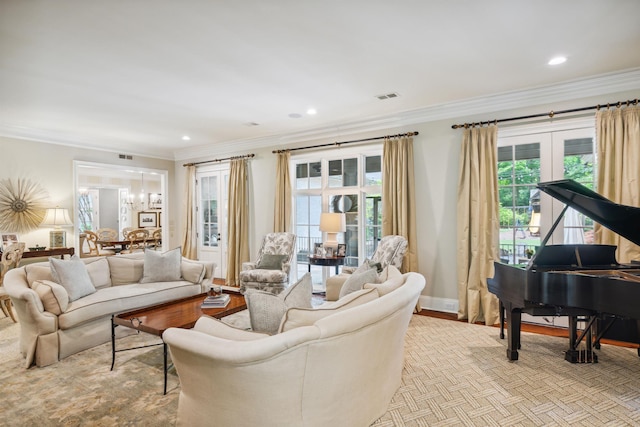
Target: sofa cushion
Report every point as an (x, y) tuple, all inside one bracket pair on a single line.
[(356, 281), (266, 309), (192, 271), (272, 261), (125, 270), (37, 271), (295, 317), (54, 297), (98, 269), (73, 276), (161, 266), (119, 299)]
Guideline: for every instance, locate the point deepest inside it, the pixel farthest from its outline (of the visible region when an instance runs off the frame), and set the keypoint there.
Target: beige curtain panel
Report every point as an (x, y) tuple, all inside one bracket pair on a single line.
[(189, 241), (238, 217), (398, 196), (618, 173), (282, 209), (478, 224)]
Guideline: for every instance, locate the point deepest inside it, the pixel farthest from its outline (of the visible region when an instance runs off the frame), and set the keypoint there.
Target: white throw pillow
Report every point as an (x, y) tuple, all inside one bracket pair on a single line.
[(389, 272), (266, 309), (387, 286), (161, 267), (73, 276), (192, 271), (98, 269), (296, 317), (356, 281)]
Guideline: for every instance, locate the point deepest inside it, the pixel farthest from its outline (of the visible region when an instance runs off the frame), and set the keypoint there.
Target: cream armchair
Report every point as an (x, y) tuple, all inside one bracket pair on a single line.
[(270, 272), (390, 251)]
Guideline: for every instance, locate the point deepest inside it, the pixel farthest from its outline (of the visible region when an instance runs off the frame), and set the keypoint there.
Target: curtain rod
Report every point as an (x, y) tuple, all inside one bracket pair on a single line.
[(338, 144), (549, 114), (244, 156)]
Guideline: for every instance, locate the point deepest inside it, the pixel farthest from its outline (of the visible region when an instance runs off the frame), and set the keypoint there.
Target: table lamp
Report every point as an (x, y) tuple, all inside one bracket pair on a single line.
[(332, 224), (56, 218)]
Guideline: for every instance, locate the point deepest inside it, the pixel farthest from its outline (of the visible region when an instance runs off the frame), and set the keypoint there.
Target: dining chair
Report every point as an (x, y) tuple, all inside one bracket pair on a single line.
[(11, 257), (125, 231), (136, 240), (94, 248), (155, 239), (107, 234)]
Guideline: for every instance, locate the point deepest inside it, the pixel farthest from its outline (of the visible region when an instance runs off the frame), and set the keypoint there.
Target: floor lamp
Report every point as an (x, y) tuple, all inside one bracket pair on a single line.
[(56, 218)]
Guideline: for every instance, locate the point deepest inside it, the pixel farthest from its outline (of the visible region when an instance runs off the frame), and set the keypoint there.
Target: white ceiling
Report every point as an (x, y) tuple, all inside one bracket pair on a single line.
[(135, 76)]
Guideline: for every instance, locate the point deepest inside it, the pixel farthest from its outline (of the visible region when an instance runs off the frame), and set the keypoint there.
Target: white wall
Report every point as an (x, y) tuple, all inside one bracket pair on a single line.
[(436, 150), (51, 166), (436, 164)]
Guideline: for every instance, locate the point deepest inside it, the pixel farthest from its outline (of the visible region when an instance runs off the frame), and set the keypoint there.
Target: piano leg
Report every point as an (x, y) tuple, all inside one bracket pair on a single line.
[(501, 320), (514, 317)]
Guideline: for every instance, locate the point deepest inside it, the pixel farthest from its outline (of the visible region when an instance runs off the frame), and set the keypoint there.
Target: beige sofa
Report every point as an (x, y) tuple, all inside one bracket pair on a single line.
[(53, 326), (337, 368)]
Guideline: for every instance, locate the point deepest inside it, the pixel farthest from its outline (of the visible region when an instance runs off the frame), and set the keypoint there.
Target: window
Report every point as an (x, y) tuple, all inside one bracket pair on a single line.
[(349, 182), (526, 215)]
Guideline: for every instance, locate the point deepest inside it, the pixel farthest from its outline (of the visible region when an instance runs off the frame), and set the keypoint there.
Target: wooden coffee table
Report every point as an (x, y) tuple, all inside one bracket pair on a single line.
[(156, 319)]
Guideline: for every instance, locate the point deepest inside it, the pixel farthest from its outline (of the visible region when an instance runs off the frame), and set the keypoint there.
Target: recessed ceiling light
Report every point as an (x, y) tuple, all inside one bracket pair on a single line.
[(186, 138), (557, 60), (311, 111)]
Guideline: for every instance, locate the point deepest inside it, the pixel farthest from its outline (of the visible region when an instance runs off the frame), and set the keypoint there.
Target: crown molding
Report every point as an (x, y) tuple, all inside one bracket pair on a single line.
[(603, 84)]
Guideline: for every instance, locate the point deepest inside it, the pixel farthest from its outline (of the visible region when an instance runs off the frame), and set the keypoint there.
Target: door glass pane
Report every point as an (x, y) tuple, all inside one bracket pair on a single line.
[(373, 223), (315, 175), (209, 203), (347, 204), (373, 170), (335, 173), (518, 175), (578, 166)]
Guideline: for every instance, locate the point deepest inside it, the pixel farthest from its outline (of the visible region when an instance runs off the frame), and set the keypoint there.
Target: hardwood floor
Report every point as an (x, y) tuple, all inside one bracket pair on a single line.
[(526, 327)]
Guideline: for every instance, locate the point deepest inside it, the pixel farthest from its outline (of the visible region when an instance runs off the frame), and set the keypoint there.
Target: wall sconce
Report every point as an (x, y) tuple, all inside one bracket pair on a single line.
[(332, 224), (56, 218)]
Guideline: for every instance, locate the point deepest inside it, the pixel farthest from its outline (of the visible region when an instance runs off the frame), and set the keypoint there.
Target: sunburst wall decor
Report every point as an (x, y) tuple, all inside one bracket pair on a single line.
[(22, 205)]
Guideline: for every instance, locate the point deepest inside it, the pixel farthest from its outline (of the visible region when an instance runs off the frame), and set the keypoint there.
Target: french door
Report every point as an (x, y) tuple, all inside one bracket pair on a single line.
[(212, 204), (526, 214)]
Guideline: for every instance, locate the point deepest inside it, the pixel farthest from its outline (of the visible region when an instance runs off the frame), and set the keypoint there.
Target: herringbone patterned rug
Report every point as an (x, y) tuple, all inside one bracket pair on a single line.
[(455, 374)]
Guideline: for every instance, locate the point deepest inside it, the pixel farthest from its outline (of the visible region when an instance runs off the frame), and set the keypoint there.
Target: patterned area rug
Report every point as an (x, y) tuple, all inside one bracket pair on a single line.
[(455, 374)]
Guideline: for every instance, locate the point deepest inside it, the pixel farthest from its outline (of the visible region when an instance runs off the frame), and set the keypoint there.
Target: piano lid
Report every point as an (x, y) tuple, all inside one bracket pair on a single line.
[(621, 219)]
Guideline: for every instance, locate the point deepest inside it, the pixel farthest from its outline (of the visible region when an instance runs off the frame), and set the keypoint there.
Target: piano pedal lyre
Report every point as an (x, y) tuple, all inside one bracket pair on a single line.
[(581, 347)]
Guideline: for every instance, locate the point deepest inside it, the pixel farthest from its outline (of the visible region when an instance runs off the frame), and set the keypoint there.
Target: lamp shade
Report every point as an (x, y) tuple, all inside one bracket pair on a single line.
[(333, 222), (57, 217)]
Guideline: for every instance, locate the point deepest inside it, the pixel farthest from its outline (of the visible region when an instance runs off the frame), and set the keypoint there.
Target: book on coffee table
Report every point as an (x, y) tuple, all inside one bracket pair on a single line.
[(217, 301)]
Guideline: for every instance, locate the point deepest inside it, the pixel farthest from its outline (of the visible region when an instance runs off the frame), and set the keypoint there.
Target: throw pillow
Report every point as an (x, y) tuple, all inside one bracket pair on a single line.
[(356, 281), (296, 317), (266, 309), (54, 297), (271, 262), (73, 276), (161, 267), (98, 269), (192, 271), (387, 286), (125, 270), (365, 266), (389, 272)]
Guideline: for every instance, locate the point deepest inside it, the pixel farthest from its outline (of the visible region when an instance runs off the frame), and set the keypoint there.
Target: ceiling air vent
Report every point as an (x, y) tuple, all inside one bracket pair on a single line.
[(387, 96), (125, 156)]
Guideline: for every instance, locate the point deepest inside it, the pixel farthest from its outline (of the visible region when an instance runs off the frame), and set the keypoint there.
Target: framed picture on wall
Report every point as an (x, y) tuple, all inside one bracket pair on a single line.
[(147, 219), (8, 239)]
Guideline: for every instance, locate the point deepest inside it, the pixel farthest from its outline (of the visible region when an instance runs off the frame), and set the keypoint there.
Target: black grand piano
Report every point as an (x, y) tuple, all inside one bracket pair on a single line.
[(583, 282)]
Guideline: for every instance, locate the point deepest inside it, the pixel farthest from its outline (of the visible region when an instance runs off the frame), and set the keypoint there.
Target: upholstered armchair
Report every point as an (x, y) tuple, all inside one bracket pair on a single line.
[(390, 251), (270, 271)]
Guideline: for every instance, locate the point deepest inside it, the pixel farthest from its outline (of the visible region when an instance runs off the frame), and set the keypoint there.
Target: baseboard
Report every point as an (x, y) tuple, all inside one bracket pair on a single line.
[(446, 305)]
